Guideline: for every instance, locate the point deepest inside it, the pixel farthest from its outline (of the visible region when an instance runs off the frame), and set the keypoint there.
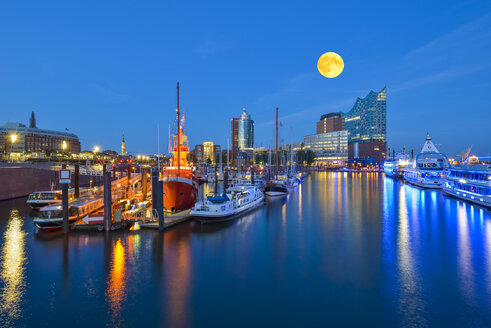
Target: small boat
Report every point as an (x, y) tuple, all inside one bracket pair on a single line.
[(51, 216), (247, 182), (429, 169), (292, 182), (39, 199), (275, 188), (235, 201), (471, 183)]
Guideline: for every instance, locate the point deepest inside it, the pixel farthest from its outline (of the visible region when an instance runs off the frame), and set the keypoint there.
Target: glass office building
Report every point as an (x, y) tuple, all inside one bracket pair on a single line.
[(246, 131), (366, 125), (331, 147), (366, 121)]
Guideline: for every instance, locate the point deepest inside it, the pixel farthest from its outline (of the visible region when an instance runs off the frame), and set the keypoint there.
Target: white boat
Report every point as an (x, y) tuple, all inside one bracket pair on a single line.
[(395, 168), (39, 199), (51, 217), (470, 182), (247, 182), (430, 167), (236, 200)]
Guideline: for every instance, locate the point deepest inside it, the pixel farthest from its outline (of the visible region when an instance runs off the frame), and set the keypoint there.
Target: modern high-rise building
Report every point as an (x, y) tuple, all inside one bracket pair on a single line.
[(246, 132), (366, 125), (17, 137), (208, 151)]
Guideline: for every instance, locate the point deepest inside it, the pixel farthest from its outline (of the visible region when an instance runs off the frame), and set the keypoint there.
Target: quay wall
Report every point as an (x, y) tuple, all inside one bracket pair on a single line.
[(21, 181)]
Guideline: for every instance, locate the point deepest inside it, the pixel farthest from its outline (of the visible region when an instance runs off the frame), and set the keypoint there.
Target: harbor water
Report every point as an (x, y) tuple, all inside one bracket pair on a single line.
[(346, 249)]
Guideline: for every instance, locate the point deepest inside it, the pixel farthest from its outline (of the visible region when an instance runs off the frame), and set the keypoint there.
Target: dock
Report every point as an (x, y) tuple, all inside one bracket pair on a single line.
[(170, 220)]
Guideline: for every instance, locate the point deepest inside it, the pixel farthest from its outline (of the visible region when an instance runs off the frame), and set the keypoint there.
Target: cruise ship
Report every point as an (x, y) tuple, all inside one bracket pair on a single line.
[(430, 167), (470, 182)]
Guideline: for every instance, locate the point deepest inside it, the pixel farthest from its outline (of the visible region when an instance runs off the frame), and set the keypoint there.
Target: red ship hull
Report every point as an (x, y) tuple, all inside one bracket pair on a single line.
[(179, 193)]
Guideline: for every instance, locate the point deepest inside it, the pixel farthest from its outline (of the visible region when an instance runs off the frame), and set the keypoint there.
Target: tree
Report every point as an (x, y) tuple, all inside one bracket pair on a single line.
[(309, 157), (208, 160), (300, 156)]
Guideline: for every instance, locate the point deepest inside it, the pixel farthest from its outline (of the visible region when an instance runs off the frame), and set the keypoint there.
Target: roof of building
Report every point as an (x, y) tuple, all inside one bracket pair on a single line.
[(331, 115)]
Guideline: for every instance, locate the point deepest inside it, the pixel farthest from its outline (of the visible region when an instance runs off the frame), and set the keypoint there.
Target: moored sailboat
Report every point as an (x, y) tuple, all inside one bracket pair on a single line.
[(275, 187)]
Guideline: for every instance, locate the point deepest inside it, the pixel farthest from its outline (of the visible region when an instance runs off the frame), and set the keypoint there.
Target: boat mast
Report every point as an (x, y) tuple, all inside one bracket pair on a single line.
[(276, 158), (178, 136), (228, 159), (291, 151)]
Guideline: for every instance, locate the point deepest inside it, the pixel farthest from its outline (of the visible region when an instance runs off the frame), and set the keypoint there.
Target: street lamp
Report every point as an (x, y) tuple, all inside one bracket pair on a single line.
[(13, 137), (63, 145), (96, 150)]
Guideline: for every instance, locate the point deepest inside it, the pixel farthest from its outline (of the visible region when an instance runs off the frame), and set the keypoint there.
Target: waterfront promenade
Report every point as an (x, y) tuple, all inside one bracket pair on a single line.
[(346, 249)]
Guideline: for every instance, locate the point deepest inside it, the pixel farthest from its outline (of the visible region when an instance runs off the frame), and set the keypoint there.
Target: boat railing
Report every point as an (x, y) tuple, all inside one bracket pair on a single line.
[(141, 215)]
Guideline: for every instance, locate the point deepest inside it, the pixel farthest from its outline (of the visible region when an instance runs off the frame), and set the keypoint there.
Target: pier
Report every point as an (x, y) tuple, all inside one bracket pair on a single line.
[(170, 220)]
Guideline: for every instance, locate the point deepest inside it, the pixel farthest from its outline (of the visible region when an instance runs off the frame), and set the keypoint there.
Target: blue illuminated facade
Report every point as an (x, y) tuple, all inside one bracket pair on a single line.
[(246, 131), (366, 121)]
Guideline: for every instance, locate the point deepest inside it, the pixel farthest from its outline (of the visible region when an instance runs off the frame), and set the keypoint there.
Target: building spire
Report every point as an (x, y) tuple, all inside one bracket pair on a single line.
[(32, 121)]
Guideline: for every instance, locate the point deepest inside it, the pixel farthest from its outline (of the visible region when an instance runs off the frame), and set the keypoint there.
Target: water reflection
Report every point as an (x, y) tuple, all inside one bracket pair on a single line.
[(411, 304), (487, 238), (13, 263), (178, 276), (334, 249), (464, 254), (116, 285)]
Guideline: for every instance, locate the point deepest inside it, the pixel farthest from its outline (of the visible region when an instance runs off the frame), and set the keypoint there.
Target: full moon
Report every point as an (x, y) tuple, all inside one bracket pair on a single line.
[(330, 64)]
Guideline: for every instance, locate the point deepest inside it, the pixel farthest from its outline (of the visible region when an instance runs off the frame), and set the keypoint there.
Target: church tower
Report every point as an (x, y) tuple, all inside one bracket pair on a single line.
[(32, 121), (123, 147)]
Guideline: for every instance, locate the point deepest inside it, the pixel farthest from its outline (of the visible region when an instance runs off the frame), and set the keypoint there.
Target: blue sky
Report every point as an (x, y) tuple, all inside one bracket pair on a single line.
[(103, 68)]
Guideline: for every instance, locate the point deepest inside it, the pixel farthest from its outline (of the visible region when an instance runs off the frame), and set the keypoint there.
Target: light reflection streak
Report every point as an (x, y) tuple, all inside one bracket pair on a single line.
[(178, 280), (487, 238), (410, 302), (116, 291), (283, 214), (300, 203), (465, 255), (13, 268)]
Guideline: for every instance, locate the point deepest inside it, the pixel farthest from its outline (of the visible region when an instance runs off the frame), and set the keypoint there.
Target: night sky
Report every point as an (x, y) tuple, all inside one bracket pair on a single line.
[(103, 68)]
